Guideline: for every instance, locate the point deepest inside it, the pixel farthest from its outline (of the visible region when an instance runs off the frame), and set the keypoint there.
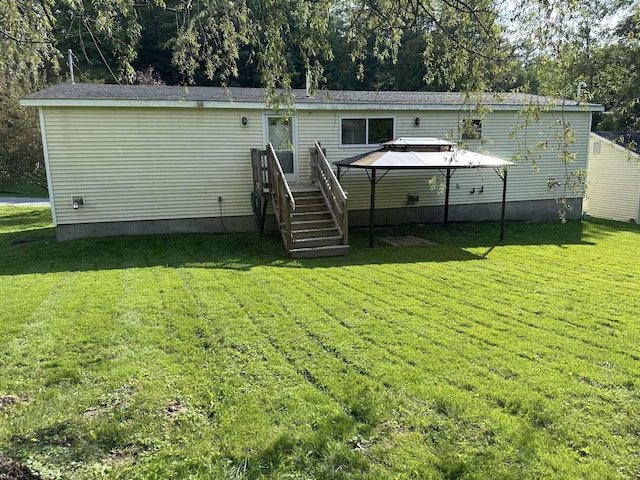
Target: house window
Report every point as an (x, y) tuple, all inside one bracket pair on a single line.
[(596, 147), (471, 129), (366, 131)]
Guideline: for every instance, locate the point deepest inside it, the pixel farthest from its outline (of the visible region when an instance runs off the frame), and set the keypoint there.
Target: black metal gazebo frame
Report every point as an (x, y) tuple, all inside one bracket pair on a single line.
[(446, 170)]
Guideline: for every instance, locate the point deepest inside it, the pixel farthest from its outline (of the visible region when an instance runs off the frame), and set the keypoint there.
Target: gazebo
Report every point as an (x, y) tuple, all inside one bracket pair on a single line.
[(423, 154)]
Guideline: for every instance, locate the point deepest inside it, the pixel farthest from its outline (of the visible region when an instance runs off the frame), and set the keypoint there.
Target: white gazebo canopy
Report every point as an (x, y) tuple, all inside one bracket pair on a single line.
[(423, 154)]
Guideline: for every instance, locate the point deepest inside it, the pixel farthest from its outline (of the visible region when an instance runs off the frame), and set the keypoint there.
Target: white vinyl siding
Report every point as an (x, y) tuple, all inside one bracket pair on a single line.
[(391, 192), (143, 163), (150, 163), (613, 189)]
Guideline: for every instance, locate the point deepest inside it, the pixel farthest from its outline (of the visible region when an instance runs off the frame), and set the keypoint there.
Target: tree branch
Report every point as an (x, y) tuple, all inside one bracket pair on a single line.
[(6, 34)]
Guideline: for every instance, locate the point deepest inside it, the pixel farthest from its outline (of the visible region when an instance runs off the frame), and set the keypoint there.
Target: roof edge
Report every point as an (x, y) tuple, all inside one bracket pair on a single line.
[(244, 105), (615, 144), (109, 95)]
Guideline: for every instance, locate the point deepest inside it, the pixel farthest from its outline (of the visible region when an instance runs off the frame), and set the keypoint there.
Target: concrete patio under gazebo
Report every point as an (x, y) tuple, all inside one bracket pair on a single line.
[(423, 154)]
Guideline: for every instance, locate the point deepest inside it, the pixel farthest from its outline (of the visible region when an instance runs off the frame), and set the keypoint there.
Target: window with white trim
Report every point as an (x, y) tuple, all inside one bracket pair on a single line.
[(471, 129), (366, 131)]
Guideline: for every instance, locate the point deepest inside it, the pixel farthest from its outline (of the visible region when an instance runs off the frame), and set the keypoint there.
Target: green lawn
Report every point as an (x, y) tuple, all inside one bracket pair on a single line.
[(22, 190), (214, 356)]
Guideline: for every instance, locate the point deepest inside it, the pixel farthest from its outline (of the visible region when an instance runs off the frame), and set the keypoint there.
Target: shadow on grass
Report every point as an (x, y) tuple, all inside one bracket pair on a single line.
[(327, 448), (215, 251), (69, 445), (240, 252), (328, 451)]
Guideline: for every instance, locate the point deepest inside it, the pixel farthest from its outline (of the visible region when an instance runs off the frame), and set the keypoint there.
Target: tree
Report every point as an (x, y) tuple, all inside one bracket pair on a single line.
[(617, 82), (21, 158), (461, 45)]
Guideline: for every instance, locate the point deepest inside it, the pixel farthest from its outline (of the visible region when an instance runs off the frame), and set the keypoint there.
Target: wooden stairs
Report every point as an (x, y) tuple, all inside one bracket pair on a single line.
[(314, 231), (313, 219)]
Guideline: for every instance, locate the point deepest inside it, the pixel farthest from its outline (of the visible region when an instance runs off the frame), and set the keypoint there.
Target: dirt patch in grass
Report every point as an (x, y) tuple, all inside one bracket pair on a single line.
[(176, 408), (6, 401), (12, 470)]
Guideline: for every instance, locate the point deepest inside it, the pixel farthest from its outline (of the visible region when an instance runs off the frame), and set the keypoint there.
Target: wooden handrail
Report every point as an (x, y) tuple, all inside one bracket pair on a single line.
[(325, 178), (281, 176), (283, 202), (260, 179), (325, 167)]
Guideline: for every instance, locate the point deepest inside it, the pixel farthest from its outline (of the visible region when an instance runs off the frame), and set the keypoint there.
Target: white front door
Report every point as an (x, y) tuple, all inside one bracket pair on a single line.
[(281, 134)]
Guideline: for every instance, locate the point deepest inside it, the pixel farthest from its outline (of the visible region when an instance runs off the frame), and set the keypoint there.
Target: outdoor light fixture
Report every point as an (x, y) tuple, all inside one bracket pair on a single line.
[(416, 121), (245, 120), (77, 201)]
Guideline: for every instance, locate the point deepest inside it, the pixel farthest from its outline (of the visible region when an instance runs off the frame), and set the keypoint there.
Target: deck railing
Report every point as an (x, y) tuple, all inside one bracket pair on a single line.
[(322, 174), (283, 201), (259, 168)]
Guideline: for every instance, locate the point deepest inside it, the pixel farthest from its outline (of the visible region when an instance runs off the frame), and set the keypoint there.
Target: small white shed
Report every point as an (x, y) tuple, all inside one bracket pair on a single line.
[(613, 188)]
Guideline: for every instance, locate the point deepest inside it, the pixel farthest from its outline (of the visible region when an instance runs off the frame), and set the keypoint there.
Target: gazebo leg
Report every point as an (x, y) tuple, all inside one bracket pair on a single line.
[(446, 198), (372, 206), (504, 201)]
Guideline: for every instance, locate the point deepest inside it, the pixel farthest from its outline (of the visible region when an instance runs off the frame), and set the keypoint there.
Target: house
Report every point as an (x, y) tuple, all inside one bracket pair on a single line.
[(613, 187), (158, 159)]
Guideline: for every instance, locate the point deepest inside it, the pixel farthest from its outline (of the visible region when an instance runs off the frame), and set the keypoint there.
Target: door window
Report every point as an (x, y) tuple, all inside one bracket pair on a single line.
[(280, 135)]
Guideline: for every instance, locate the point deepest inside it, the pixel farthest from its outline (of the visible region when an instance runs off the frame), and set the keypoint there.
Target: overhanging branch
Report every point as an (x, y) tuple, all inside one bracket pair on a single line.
[(6, 34)]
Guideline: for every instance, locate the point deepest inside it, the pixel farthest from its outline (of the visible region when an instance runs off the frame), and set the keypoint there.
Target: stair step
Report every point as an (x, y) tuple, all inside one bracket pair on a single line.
[(315, 233), (316, 252), (305, 191), (311, 216), (320, 241), (313, 228), (311, 207), (319, 223), (318, 200)]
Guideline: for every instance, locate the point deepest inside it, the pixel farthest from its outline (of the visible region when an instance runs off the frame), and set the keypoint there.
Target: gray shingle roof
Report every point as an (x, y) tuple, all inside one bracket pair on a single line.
[(628, 140), (91, 91)]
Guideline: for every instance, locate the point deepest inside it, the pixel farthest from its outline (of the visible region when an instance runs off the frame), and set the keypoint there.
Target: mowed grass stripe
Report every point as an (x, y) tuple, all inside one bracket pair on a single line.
[(545, 377), (18, 309), (405, 327), (486, 298), (527, 294), (449, 400), (416, 347), (262, 353), (287, 332), (232, 357), (337, 398), (400, 382), (542, 378), (332, 332), (495, 337)]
